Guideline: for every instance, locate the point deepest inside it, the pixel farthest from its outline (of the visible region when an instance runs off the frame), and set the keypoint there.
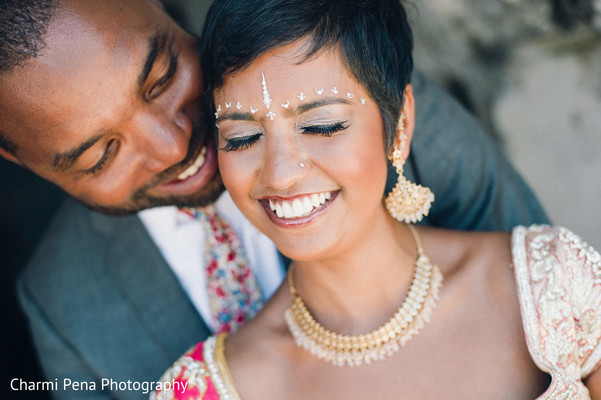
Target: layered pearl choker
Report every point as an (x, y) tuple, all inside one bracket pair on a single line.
[(353, 350)]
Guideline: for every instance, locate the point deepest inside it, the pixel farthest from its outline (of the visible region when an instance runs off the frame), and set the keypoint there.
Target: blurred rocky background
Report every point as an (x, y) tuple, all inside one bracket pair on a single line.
[(530, 70)]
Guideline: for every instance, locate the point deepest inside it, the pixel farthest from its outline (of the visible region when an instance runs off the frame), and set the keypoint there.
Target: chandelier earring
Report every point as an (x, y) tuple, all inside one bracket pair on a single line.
[(407, 202)]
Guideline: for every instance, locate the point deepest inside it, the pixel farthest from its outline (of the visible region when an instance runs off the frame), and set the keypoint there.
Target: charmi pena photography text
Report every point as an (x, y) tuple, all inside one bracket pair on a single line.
[(18, 384)]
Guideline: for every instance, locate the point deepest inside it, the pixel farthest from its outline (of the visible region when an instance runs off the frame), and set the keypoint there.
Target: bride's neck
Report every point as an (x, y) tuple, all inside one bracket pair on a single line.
[(359, 288)]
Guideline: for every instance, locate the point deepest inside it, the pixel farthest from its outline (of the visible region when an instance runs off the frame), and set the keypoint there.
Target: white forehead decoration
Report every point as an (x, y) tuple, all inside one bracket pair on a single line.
[(267, 100), (266, 97)]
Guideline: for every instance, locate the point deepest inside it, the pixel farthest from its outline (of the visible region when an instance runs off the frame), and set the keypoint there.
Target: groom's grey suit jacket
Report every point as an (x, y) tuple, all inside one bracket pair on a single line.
[(102, 302)]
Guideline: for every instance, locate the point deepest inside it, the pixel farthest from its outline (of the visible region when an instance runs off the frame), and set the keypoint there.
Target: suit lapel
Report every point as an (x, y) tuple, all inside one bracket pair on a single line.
[(153, 291)]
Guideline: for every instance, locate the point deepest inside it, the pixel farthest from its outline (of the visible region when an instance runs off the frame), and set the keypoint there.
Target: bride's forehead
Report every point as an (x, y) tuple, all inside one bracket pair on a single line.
[(264, 98), (283, 71)]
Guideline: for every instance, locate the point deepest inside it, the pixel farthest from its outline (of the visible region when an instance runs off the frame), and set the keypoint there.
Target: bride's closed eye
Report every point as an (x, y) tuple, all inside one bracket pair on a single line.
[(324, 129), (241, 142)]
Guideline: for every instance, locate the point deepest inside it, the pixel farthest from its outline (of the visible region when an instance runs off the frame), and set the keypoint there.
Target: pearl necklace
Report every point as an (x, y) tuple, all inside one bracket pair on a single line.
[(353, 350)]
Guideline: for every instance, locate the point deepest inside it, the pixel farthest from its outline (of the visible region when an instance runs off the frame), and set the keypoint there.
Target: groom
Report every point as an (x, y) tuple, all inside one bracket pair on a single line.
[(104, 99)]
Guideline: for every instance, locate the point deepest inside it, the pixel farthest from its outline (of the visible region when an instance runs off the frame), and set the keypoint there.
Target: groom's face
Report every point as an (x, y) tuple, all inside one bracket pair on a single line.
[(111, 109)]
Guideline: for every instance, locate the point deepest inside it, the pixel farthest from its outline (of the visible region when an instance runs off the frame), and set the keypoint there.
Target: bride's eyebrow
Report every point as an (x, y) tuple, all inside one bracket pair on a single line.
[(300, 109), (303, 108), (236, 116)]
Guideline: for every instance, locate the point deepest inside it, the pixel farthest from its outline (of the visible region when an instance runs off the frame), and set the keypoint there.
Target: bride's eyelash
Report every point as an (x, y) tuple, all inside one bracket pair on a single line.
[(324, 129), (240, 143), (244, 142)]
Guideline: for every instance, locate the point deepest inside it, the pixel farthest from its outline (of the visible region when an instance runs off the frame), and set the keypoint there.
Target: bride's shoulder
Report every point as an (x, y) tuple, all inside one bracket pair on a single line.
[(462, 252)]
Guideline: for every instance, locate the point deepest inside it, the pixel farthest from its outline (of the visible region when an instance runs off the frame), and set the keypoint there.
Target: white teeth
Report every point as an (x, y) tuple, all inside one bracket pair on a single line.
[(192, 169), (315, 200), (307, 206), (299, 207), (286, 210)]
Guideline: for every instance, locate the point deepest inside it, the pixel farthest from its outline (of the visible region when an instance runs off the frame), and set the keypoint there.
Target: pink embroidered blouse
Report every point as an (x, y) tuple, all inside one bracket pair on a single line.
[(558, 277)]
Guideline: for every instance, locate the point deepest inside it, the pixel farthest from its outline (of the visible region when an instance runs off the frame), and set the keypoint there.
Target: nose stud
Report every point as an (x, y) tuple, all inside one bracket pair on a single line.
[(302, 165)]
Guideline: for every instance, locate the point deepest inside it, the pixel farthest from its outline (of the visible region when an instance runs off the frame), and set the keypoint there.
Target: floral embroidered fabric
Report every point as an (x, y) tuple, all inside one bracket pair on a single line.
[(558, 277)]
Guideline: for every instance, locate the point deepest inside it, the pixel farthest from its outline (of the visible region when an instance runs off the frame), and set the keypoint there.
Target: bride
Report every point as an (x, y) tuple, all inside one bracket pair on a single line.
[(311, 98)]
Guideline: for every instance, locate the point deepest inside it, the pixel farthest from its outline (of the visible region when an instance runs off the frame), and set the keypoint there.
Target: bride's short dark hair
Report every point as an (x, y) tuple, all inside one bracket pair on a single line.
[(374, 36)]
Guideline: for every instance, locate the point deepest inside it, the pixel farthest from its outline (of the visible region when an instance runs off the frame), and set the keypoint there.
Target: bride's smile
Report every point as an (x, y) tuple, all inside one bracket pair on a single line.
[(298, 210)]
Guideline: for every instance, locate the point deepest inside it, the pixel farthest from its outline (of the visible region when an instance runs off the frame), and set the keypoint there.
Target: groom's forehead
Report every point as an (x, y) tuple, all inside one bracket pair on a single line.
[(91, 50), (108, 14)]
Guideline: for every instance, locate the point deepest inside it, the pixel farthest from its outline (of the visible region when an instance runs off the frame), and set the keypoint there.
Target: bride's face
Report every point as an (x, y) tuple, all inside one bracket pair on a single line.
[(301, 151)]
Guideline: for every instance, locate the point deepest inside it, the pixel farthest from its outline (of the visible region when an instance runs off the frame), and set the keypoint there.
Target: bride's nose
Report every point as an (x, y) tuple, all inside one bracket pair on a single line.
[(284, 163)]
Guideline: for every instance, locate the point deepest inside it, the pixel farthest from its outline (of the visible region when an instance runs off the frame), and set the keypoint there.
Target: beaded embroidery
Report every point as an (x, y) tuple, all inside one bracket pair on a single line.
[(204, 368), (559, 288), (187, 369)]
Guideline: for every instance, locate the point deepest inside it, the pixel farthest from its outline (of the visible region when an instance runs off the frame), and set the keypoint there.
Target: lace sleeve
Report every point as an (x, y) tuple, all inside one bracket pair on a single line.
[(559, 285)]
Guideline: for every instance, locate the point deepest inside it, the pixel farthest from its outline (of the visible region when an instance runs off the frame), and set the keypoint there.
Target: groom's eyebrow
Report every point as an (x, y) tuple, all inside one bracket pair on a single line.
[(156, 43), (67, 159)]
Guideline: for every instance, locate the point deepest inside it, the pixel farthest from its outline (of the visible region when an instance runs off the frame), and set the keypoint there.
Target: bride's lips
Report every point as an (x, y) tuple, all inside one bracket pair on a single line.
[(196, 175), (298, 210)]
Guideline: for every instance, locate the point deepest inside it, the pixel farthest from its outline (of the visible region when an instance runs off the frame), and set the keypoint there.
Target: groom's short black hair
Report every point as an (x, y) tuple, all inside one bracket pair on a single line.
[(23, 24), (374, 37)]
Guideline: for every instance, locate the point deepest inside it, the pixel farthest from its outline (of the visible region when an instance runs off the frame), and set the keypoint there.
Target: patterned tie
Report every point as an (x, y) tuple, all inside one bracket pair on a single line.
[(234, 295)]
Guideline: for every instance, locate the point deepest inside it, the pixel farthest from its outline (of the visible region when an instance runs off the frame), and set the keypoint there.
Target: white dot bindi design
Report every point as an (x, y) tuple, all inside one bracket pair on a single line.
[(267, 100)]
